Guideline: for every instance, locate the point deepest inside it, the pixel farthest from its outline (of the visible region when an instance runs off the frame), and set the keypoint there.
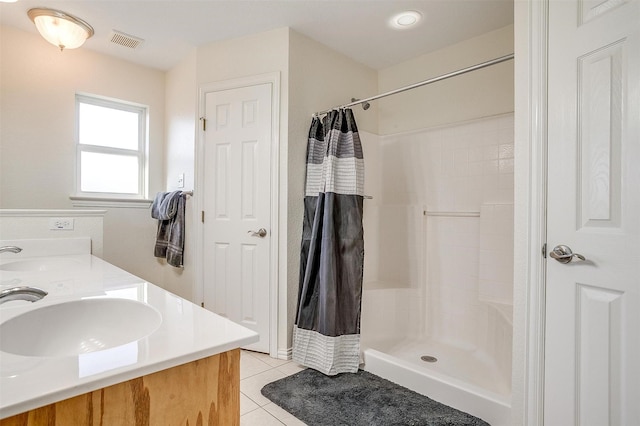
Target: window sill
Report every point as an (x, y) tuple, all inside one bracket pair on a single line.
[(81, 201)]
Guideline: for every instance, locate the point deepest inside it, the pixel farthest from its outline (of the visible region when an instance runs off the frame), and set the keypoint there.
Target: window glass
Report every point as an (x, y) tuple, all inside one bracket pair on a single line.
[(111, 148), (109, 173), (105, 126)]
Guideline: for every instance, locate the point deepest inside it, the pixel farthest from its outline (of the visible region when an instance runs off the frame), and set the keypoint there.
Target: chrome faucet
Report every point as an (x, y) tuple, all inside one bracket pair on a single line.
[(10, 249), (30, 294)]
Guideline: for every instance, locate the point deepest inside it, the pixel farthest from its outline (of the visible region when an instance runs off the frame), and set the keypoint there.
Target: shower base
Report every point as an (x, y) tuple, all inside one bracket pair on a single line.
[(462, 379)]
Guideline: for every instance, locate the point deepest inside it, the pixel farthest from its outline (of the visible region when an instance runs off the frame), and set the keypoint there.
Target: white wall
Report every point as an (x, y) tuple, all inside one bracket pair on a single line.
[(181, 118), (16, 224), (481, 93), (37, 148)]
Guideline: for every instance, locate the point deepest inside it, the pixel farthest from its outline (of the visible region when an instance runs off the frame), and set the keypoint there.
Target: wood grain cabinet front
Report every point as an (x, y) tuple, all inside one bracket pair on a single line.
[(202, 392)]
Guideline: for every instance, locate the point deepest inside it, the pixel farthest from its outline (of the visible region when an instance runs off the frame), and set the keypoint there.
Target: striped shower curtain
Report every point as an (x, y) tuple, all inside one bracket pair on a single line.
[(326, 336)]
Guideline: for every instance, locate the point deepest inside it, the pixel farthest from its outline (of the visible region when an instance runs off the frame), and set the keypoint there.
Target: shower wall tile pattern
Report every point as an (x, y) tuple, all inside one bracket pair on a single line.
[(455, 168), (496, 254)]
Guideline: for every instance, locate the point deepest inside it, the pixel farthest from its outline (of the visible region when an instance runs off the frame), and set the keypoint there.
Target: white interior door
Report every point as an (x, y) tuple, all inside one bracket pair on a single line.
[(237, 206), (592, 324)]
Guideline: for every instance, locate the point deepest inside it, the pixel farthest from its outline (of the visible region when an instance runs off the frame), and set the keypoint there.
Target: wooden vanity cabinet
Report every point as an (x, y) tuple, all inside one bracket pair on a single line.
[(202, 392)]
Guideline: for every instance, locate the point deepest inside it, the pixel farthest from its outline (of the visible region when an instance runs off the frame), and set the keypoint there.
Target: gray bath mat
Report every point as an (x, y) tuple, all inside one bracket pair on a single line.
[(361, 399)]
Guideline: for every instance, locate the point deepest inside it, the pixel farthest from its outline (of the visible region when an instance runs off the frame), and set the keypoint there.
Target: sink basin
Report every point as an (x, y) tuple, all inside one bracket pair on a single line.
[(78, 327), (48, 264)]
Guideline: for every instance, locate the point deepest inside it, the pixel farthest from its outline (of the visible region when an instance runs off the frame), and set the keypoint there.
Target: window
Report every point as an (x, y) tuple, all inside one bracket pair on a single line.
[(111, 150)]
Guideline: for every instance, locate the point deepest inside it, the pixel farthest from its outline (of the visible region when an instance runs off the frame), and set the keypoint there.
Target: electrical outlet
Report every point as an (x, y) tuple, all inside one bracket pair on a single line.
[(181, 180), (61, 223)]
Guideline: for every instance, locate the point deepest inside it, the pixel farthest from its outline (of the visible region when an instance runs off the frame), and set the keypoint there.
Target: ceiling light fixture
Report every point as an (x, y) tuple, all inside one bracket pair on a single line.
[(59, 28), (405, 20)]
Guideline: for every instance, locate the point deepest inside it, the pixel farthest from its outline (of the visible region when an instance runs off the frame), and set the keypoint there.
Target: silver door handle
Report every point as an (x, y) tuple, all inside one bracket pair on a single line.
[(259, 233), (563, 254)]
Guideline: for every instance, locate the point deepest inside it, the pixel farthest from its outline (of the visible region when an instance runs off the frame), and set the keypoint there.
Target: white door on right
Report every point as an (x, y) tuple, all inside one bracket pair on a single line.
[(592, 324)]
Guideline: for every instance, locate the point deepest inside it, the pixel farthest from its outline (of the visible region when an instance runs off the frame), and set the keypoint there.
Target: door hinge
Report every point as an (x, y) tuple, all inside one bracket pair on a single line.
[(204, 124), (202, 216), (544, 250)]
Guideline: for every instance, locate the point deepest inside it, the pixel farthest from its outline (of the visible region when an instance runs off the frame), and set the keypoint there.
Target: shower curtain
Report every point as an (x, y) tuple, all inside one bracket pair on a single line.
[(326, 336)]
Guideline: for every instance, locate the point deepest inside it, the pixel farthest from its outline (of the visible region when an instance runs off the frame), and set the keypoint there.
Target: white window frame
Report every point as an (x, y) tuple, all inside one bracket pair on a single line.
[(110, 199)]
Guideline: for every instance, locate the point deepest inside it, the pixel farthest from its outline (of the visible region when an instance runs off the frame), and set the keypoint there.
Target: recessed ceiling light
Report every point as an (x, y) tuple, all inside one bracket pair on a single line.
[(406, 20)]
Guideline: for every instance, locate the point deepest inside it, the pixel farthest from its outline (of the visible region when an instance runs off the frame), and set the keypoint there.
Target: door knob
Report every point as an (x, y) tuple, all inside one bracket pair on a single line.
[(563, 254), (259, 233)]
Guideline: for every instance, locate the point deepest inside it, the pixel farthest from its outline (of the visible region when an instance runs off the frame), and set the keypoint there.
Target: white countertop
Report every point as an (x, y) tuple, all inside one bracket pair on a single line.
[(186, 333)]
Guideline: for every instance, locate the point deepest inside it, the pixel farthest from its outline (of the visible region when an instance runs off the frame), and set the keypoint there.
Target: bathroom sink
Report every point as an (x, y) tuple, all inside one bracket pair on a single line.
[(77, 327), (47, 264)]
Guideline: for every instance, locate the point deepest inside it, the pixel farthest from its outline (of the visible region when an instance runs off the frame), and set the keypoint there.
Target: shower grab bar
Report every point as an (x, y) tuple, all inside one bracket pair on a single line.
[(451, 214)]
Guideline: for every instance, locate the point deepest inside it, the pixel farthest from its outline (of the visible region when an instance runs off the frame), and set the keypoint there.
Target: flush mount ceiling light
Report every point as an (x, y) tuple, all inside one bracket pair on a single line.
[(59, 28), (406, 20)]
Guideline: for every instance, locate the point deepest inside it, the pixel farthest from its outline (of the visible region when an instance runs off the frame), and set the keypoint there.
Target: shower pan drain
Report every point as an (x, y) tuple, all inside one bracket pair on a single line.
[(428, 358)]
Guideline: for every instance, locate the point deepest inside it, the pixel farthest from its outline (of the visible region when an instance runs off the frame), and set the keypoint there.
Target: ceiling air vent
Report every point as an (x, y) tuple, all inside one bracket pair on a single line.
[(125, 40)]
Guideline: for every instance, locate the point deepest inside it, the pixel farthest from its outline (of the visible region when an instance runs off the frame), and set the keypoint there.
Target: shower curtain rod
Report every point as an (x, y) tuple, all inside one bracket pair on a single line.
[(422, 83)]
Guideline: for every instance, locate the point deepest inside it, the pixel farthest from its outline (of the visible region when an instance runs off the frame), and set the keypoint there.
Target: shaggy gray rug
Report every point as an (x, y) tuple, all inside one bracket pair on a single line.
[(361, 399)]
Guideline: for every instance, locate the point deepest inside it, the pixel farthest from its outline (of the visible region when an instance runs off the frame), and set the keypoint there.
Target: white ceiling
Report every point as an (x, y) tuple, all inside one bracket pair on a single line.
[(357, 28)]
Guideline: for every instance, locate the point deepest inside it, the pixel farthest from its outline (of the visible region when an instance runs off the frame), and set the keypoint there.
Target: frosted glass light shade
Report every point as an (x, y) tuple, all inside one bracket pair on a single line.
[(59, 28)]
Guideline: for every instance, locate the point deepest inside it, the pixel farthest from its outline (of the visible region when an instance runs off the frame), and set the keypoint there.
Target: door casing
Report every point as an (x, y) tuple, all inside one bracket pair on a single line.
[(531, 37)]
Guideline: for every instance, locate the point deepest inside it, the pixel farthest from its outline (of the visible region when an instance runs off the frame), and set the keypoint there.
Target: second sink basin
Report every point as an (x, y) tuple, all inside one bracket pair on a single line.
[(77, 327)]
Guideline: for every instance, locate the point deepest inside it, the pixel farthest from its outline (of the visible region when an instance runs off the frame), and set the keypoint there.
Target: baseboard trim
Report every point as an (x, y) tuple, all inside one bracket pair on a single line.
[(286, 354)]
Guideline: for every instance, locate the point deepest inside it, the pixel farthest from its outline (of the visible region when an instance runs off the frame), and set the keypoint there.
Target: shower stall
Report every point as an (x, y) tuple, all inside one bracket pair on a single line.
[(437, 292)]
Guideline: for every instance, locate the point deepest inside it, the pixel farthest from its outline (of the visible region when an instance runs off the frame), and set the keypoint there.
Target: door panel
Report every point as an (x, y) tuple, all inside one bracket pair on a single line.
[(600, 74), (592, 325), (237, 187)]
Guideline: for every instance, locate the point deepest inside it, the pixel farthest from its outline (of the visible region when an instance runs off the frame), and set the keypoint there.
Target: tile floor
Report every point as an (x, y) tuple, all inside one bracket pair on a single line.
[(256, 370)]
